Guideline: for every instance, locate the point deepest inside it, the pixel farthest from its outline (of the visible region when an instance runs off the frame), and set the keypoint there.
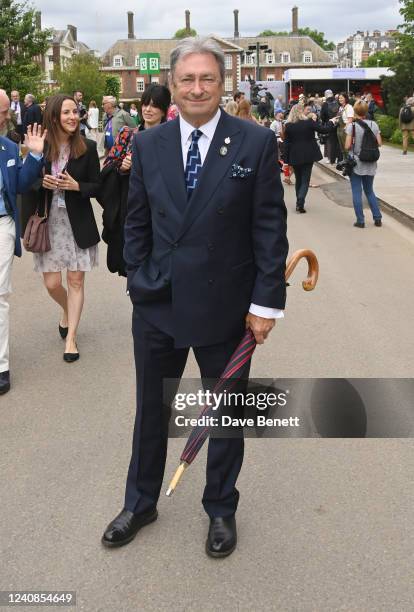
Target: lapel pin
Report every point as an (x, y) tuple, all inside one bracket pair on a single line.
[(223, 151), (3, 148), (227, 140)]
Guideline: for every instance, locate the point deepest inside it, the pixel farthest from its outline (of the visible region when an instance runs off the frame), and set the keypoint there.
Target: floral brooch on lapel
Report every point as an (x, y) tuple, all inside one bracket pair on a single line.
[(240, 172)]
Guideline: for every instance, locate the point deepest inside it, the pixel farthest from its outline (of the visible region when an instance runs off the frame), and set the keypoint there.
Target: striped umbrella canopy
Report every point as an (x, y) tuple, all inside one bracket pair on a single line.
[(235, 369)]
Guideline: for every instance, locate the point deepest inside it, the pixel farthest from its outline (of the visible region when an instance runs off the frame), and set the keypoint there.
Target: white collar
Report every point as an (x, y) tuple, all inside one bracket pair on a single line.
[(208, 128)]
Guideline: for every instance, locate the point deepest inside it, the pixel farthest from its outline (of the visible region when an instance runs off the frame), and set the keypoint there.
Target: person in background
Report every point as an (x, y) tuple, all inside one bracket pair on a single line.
[(278, 105), (407, 128), (302, 150), (32, 114), (329, 110), (231, 108), (345, 117), (93, 119), (72, 177), (372, 107), (362, 176), (113, 197), (15, 178), (244, 111), (83, 113), (18, 109), (113, 120), (133, 111), (239, 97)]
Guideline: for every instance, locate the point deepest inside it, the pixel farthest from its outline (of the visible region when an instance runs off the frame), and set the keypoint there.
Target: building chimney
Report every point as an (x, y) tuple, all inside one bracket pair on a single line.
[(73, 31), (131, 24), (187, 22), (295, 28), (236, 23), (38, 20)]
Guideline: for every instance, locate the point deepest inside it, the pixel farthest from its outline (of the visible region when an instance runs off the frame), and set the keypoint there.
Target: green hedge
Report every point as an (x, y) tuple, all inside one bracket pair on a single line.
[(396, 138), (388, 125)]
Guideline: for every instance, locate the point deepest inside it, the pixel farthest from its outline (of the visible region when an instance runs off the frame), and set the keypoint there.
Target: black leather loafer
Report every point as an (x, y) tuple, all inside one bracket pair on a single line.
[(4, 382), (222, 536), (125, 527), (378, 223), (63, 331), (361, 225)]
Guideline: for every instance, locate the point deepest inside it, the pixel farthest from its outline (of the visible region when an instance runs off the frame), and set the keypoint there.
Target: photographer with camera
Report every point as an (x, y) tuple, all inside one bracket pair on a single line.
[(363, 139)]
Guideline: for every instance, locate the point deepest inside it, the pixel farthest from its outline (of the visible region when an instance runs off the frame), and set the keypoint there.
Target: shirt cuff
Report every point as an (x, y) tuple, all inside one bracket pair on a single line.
[(266, 313), (36, 156)]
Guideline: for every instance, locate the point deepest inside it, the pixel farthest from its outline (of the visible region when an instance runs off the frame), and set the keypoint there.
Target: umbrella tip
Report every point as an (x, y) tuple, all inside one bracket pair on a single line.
[(169, 492)]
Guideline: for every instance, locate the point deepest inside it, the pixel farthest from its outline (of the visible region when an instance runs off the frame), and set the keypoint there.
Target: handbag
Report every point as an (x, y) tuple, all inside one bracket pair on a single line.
[(36, 235)]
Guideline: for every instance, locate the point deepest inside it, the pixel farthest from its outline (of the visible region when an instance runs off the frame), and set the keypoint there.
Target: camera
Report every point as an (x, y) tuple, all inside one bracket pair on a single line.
[(346, 166)]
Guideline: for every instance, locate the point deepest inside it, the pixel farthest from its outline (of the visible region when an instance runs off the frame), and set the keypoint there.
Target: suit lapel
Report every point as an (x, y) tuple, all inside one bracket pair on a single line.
[(171, 162), (214, 168), (3, 165)]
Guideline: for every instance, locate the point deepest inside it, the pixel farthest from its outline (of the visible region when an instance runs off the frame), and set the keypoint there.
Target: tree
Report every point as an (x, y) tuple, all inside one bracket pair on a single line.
[(82, 72), (402, 64), (381, 58), (20, 43), (318, 37), (183, 33), (112, 86)]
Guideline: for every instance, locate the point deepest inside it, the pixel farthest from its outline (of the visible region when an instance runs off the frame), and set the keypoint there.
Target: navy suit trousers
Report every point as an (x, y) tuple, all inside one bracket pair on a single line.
[(156, 358)]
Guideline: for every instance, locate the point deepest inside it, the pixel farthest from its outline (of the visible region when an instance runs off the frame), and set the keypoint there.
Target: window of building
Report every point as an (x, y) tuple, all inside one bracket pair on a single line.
[(270, 77), (249, 58), (228, 83), (307, 57), (137, 61), (140, 85), (385, 44), (285, 57), (372, 44), (118, 61), (270, 58), (228, 61), (51, 58), (155, 79)]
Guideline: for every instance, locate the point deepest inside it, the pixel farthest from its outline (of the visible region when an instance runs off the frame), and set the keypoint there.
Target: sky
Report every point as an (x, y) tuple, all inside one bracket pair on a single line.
[(100, 22)]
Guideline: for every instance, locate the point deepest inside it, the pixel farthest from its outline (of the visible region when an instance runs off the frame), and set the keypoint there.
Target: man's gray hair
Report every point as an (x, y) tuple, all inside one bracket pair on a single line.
[(30, 97), (197, 45), (110, 99)]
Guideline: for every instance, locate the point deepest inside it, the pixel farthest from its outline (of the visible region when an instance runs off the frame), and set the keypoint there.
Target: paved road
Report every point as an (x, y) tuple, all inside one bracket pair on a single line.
[(325, 525)]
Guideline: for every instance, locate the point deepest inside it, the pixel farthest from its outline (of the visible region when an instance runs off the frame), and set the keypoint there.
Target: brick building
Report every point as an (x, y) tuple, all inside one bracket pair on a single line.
[(358, 47), (124, 58)]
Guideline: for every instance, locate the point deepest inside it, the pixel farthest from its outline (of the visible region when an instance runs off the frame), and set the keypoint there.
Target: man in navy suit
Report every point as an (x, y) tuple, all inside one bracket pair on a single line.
[(205, 251), (15, 178)]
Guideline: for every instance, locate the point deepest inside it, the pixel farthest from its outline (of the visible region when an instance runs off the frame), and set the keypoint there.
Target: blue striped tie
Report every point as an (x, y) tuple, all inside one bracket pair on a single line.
[(193, 166)]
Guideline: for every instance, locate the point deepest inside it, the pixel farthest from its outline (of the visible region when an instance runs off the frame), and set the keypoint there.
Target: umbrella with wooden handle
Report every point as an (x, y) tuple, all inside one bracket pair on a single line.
[(235, 367)]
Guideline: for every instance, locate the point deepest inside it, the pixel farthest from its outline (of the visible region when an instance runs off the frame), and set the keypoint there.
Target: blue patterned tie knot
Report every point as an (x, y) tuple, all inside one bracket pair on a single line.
[(193, 165)]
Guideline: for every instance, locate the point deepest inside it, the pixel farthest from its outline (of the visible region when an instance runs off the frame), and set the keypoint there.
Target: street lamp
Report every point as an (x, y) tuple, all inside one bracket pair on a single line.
[(258, 47)]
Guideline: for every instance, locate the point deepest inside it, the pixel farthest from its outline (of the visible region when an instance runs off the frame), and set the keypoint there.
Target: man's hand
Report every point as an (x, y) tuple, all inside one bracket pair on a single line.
[(126, 163), (260, 327), (34, 139)]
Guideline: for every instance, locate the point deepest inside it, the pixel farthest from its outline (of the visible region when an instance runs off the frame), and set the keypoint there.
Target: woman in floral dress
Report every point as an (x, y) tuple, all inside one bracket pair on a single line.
[(71, 178)]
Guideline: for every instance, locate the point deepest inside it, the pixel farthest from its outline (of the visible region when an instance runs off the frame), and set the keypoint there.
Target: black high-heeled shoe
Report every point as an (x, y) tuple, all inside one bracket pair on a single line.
[(63, 331)]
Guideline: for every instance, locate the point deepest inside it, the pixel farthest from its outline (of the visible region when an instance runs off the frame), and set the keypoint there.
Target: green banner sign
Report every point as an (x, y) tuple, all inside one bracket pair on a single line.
[(149, 63)]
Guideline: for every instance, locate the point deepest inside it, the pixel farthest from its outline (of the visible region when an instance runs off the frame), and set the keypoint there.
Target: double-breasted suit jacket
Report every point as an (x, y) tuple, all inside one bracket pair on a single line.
[(195, 266)]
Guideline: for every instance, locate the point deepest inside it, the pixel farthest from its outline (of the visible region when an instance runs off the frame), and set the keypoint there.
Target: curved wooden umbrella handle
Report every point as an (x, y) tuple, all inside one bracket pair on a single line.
[(313, 267)]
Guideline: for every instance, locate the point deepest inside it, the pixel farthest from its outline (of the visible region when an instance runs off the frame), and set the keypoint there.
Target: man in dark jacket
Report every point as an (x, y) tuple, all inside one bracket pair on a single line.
[(205, 250), (33, 114), (329, 110)]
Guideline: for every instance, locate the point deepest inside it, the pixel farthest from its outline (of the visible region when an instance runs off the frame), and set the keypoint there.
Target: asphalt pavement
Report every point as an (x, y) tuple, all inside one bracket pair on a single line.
[(324, 525)]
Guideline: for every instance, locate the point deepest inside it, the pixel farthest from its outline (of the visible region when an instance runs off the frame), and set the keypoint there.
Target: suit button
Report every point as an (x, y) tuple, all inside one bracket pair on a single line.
[(210, 281), (161, 213), (210, 246), (175, 245), (220, 211)]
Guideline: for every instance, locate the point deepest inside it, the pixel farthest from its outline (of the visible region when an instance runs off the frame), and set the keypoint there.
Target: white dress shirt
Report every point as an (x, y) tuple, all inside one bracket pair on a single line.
[(208, 130), (15, 106)]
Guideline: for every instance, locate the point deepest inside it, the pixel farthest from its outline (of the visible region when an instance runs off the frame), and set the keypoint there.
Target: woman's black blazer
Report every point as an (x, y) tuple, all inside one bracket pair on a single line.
[(300, 143), (86, 171)]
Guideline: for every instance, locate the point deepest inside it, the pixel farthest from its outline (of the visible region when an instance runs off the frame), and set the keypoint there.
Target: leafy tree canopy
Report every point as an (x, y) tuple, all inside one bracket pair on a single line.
[(183, 33), (318, 37), (82, 72), (20, 44), (112, 86), (381, 58)]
